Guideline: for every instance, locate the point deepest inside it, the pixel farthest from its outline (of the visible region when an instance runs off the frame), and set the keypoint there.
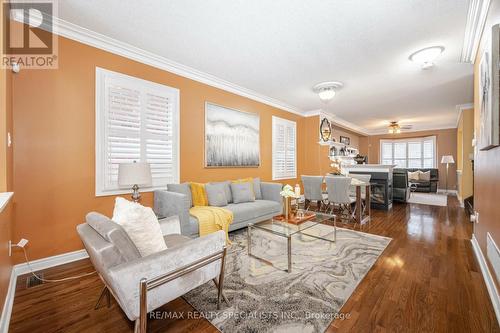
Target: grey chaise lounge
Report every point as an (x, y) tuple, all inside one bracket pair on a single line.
[(142, 284), (268, 204)]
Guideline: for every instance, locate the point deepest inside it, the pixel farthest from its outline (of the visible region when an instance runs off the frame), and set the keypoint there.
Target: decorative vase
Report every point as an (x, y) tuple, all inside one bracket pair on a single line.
[(287, 208)]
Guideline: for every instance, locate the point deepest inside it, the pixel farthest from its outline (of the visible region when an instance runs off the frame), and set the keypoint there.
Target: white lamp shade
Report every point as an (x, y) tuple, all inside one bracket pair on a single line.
[(134, 174), (447, 159)]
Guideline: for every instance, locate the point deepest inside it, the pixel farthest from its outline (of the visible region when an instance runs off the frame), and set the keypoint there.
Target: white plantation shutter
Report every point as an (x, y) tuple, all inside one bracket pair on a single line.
[(409, 153), (136, 120), (284, 149)]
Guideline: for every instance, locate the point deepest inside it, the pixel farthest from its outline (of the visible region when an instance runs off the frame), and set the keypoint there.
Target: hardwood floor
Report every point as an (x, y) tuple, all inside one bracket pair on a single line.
[(427, 280)]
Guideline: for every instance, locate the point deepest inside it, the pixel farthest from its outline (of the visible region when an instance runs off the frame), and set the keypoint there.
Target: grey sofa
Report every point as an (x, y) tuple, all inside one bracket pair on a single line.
[(142, 284), (168, 203), (429, 185)]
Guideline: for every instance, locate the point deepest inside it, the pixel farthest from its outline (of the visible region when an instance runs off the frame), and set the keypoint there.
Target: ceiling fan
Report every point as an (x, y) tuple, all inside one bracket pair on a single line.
[(395, 128)]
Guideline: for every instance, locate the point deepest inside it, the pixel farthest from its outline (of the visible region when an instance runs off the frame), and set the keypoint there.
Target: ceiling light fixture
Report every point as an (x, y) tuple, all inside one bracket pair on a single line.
[(394, 128), (327, 90), (425, 57)]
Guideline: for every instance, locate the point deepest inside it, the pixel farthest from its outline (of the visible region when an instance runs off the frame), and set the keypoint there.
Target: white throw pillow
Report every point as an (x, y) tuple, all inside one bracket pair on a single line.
[(425, 176), (141, 225), (414, 175)]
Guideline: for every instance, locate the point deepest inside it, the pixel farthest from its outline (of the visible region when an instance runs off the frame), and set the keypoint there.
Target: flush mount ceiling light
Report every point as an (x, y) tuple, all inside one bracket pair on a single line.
[(425, 57), (326, 90)]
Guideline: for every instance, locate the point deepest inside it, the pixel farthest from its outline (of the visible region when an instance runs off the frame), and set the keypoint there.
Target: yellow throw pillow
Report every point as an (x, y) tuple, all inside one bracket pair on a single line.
[(199, 194), (245, 180)]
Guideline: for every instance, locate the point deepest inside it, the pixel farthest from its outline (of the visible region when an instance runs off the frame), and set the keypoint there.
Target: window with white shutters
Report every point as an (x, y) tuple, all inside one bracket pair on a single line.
[(136, 120), (284, 149), (409, 153)]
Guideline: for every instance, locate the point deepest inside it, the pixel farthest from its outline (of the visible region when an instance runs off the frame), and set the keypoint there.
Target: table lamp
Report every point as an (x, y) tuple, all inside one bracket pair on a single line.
[(134, 174), (447, 159)]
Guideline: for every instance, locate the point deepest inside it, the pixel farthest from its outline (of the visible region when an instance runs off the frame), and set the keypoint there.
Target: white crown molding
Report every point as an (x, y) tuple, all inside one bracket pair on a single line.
[(312, 113), (461, 107), (349, 126), (338, 121), (89, 37), (36, 265), (476, 19), (421, 129), (75, 32), (368, 132)]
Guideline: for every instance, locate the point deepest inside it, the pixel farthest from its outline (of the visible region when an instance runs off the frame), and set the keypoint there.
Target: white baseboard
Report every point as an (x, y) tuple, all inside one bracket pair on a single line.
[(36, 265), (488, 278), (9, 302), (450, 192), (53, 261)]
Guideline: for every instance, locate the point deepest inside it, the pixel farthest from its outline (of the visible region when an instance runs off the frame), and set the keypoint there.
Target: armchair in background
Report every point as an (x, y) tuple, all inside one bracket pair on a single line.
[(400, 185)]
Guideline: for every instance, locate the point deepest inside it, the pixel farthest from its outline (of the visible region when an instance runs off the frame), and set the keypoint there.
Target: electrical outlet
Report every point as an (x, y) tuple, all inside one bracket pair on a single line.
[(22, 242)]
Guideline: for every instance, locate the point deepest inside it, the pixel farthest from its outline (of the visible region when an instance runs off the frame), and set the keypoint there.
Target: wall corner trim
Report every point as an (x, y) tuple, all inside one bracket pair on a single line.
[(4, 199), (36, 265), (460, 108), (488, 278), (8, 303)]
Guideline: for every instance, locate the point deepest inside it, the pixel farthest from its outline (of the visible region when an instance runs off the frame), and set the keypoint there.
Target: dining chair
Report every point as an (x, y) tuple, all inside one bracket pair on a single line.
[(338, 195), (313, 191)]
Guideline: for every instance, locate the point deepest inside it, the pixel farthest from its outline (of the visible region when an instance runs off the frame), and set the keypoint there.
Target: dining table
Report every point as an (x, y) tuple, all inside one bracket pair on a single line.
[(362, 213)]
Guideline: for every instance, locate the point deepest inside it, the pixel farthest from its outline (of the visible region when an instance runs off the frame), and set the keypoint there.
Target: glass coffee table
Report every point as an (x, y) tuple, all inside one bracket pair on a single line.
[(287, 230)]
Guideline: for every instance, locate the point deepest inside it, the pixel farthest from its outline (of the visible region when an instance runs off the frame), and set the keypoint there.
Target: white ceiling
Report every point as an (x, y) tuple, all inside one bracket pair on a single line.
[(282, 48)]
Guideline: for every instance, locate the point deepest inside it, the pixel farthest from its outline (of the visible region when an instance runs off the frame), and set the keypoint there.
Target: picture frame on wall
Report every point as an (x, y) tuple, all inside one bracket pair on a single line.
[(345, 140), (232, 137), (489, 89)]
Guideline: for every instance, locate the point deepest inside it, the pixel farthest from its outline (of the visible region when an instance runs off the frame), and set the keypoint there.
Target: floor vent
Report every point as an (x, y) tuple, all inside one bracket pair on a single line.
[(32, 281), (493, 255)]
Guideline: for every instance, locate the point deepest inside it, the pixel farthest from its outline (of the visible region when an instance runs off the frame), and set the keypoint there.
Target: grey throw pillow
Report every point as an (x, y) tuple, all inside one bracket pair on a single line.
[(227, 189), (256, 189), (242, 192), (216, 195), (183, 188)]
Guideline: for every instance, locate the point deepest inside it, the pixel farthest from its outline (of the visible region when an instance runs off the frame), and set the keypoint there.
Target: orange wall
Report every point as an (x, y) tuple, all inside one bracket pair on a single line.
[(486, 164), (446, 142), (54, 122), (465, 133), (316, 155), (6, 222)]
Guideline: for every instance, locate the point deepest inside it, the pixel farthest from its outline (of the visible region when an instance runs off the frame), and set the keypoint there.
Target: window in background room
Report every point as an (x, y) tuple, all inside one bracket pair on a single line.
[(136, 120), (409, 153), (284, 149)]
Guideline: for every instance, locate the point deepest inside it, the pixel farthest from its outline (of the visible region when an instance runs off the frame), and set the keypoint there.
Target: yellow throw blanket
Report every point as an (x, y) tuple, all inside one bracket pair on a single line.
[(212, 219), (199, 194)]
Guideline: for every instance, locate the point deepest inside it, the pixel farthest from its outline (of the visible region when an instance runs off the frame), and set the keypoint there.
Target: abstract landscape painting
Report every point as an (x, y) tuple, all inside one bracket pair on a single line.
[(231, 137)]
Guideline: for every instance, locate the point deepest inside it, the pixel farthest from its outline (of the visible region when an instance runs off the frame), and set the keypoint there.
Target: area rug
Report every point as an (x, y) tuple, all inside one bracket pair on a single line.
[(432, 199), (264, 298)]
